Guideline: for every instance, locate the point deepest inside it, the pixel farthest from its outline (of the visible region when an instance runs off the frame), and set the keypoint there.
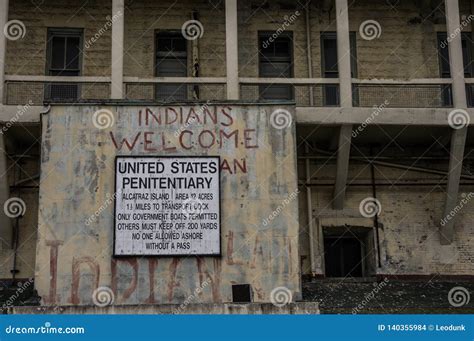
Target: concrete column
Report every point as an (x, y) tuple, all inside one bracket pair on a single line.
[(344, 53), (118, 24), (5, 222), (458, 137), (231, 43), (343, 153), (3, 46), (345, 93)]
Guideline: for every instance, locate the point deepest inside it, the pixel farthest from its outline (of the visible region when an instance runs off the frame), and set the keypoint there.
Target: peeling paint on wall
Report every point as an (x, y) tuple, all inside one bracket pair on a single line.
[(77, 181)]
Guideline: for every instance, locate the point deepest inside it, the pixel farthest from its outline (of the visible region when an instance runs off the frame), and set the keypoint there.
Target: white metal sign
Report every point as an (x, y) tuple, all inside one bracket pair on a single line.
[(167, 206)]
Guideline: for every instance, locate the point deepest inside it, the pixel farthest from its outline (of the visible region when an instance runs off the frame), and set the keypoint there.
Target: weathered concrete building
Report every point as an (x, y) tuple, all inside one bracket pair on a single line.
[(342, 131)]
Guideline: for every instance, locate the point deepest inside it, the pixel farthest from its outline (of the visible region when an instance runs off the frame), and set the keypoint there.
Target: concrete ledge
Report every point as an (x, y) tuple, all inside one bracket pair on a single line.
[(20, 114), (387, 116), (297, 308)]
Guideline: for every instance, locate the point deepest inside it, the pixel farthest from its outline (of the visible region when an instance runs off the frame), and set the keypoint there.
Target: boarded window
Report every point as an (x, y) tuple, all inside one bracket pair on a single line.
[(171, 61), (276, 61)]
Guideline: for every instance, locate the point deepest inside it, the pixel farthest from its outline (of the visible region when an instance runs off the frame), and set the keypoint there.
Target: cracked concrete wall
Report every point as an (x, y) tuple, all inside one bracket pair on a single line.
[(77, 178), (409, 220)]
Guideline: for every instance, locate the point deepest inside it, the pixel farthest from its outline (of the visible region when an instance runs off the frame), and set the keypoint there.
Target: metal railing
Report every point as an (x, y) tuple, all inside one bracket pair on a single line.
[(37, 90), (176, 89), (422, 93), (304, 92)]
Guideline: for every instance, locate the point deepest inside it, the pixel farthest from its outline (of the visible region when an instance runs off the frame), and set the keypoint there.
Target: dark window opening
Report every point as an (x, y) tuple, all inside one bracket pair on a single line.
[(348, 254), (276, 61), (64, 58), (241, 293), (329, 66), (171, 61), (445, 71)]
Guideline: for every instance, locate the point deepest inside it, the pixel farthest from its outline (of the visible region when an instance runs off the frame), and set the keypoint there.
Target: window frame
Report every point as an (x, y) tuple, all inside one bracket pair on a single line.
[(64, 32), (156, 58), (266, 34)]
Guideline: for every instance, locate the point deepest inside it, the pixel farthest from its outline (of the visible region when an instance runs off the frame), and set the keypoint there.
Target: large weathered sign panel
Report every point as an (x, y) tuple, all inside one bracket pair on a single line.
[(79, 251), (167, 206)]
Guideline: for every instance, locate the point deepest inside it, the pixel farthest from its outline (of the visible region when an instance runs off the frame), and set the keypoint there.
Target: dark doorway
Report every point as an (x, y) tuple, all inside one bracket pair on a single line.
[(343, 257)]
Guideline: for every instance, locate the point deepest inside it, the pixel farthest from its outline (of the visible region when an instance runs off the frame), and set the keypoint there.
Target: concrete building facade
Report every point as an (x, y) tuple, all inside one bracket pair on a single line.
[(342, 128)]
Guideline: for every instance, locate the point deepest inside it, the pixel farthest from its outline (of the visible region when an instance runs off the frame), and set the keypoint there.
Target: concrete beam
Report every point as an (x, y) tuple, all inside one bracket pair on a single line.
[(232, 50), (343, 153), (27, 114), (387, 116), (458, 139), (3, 46), (6, 232), (118, 25)]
